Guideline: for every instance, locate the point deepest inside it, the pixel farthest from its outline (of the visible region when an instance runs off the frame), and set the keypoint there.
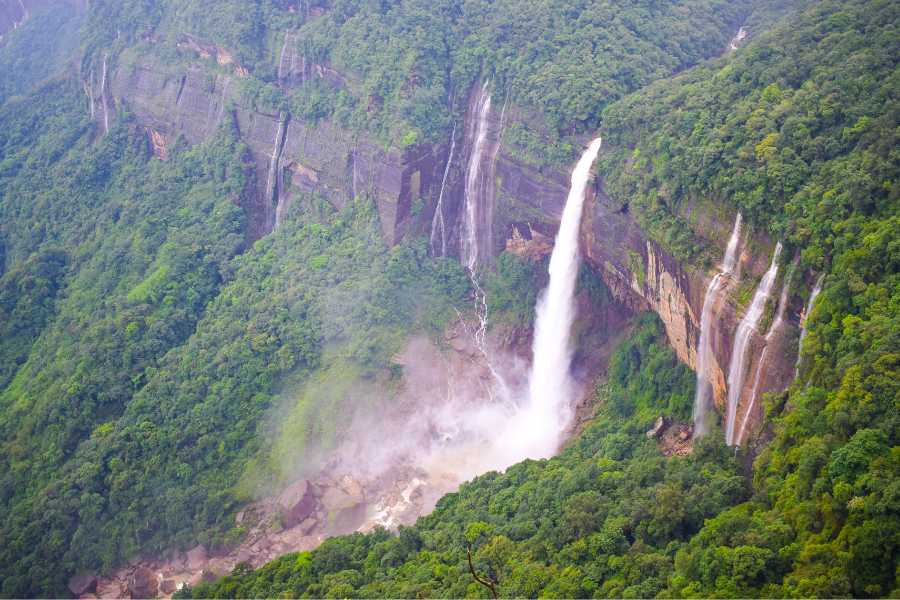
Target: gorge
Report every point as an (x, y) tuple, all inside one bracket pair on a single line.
[(329, 294)]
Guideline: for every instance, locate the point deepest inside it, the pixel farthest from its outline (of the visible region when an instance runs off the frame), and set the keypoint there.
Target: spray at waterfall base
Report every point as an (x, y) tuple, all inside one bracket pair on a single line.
[(465, 406)]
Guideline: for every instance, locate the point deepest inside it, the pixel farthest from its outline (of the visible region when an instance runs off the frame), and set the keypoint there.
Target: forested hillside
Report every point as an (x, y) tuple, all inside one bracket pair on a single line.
[(158, 363)]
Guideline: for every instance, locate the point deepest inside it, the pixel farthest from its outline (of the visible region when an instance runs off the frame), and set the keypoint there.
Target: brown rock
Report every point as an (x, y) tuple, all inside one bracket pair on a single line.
[(143, 584), (297, 502), (658, 428), (196, 558), (684, 435), (168, 586), (449, 335), (457, 344), (307, 526), (239, 518), (450, 477), (85, 584)]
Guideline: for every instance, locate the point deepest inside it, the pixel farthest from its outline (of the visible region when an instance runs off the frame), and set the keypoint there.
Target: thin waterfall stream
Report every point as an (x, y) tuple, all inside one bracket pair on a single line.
[(702, 408), (742, 342), (817, 289), (271, 181), (439, 210), (776, 326), (103, 97)]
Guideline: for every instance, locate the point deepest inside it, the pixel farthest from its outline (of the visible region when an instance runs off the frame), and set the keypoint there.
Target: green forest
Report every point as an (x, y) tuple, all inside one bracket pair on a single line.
[(158, 362)]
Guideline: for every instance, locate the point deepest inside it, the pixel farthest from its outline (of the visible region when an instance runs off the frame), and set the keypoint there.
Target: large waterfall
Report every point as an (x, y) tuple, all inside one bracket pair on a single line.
[(761, 366), (702, 408), (438, 220), (742, 341), (473, 191), (550, 385)]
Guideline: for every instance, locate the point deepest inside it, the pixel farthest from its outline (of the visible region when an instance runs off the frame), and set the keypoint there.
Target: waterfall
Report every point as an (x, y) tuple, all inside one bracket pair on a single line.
[(273, 164), (817, 289), (91, 88), (439, 210), (222, 107), (702, 410), (103, 97), (550, 386), (281, 59), (742, 341), (469, 233), (776, 325)]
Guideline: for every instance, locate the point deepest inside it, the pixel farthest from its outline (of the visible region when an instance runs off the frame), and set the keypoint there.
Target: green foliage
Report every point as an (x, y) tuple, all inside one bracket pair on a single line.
[(41, 47), (798, 131)]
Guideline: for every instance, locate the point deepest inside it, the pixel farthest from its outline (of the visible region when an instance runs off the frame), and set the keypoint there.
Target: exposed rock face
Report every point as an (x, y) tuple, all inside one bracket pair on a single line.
[(642, 274), (86, 584), (143, 584), (321, 157), (296, 503), (528, 198), (196, 558)]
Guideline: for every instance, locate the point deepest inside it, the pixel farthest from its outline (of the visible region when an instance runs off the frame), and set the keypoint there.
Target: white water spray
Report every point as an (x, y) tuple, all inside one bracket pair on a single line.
[(776, 325), (103, 97), (550, 386), (439, 210), (817, 289), (742, 341), (702, 410)]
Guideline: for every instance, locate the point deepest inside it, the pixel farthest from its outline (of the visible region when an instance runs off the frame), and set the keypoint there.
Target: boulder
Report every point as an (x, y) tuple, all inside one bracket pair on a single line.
[(457, 344), (196, 558), (658, 428), (307, 526), (143, 584), (168, 586), (296, 502), (86, 584)]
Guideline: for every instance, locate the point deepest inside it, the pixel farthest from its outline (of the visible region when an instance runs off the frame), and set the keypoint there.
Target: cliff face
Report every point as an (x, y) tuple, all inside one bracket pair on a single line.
[(320, 157), (525, 200)]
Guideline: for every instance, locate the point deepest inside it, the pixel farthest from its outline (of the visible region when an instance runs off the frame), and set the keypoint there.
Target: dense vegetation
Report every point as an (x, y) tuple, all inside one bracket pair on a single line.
[(145, 344), (798, 131)]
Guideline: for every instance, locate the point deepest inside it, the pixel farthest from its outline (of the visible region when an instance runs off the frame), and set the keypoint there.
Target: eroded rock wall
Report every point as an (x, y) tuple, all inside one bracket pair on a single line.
[(315, 157)]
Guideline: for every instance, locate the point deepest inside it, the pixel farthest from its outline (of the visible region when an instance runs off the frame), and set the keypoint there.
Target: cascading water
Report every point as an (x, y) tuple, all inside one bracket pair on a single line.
[(702, 410), (550, 385), (817, 289), (776, 325), (273, 163), (222, 106), (281, 59), (91, 88), (103, 97), (438, 220), (469, 238), (742, 341)]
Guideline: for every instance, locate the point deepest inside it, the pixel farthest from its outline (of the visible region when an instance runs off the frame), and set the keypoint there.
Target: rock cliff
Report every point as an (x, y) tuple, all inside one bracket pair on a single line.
[(526, 198)]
